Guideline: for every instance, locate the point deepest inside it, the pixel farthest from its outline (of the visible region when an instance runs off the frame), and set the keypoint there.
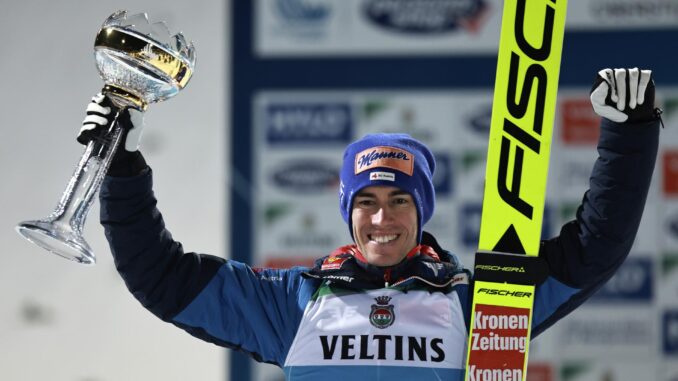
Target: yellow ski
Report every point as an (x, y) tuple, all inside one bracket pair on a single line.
[(506, 268)]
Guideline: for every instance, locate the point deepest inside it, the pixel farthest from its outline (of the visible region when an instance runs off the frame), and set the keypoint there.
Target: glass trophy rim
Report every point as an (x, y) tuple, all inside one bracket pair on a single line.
[(155, 42)]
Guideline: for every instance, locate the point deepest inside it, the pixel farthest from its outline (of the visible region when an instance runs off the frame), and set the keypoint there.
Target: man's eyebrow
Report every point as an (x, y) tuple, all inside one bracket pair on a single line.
[(398, 192), (366, 194)]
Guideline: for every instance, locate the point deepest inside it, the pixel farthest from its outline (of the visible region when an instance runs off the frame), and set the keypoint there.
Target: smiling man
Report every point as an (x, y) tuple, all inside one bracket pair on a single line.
[(386, 195), (392, 304)]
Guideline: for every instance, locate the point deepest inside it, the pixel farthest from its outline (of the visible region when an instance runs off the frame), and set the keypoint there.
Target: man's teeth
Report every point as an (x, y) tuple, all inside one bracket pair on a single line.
[(384, 238)]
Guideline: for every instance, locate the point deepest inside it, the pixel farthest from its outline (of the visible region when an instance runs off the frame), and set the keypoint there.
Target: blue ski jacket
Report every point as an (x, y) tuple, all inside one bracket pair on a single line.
[(344, 318)]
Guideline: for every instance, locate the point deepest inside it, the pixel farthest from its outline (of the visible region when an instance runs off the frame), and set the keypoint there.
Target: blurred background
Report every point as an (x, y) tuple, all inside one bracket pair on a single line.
[(252, 148)]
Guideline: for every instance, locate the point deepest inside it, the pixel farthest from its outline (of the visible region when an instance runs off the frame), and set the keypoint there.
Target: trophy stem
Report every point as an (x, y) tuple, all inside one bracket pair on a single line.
[(61, 232)]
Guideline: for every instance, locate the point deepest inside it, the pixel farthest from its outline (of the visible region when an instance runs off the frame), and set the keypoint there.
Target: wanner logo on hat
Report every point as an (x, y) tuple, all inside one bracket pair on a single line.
[(384, 157)]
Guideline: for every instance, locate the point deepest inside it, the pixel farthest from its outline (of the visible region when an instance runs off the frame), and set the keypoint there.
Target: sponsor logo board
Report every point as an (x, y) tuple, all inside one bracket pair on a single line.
[(608, 369), (633, 282), (443, 178), (667, 218), (540, 371), (308, 176), (622, 14), (426, 17), (301, 11), (579, 123), (667, 288), (471, 179), (308, 123), (469, 224), (608, 331), (298, 229), (670, 173), (480, 121), (292, 20), (670, 332), (366, 27), (570, 172)]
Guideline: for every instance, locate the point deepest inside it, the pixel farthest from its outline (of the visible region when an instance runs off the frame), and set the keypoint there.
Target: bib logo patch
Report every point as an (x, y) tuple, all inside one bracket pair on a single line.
[(382, 315), (333, 263), (384, 157)]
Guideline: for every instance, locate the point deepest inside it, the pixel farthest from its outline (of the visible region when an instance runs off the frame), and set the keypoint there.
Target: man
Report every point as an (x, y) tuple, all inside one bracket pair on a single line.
[(393, 304)]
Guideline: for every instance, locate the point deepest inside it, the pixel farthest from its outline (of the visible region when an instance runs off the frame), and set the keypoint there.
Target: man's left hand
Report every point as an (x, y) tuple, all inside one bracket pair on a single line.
[(624, 95)]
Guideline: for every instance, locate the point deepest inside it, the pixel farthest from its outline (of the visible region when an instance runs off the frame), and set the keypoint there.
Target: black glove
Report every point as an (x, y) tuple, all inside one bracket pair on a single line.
[(101, 112), (624, 95)]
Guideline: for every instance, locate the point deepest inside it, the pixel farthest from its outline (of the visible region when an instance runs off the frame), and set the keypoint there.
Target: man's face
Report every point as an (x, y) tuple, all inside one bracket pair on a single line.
[(384, 224)]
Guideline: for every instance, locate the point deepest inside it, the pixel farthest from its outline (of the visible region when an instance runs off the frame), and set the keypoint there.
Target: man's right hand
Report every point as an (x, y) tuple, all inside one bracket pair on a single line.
[(100, 114)]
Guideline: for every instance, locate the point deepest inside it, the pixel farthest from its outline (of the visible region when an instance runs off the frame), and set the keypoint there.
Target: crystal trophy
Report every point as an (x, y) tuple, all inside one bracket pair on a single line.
[(140, 63)]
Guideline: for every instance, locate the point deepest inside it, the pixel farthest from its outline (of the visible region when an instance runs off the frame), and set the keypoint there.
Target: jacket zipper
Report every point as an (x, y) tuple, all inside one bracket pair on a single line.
[(437, 285), (387, 277)]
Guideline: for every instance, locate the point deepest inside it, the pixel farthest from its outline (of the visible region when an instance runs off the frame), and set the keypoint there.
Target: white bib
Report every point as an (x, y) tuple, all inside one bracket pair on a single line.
[(385, 327)]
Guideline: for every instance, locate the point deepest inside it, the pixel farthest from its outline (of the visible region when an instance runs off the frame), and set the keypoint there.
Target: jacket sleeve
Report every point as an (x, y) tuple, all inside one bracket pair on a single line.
[(591, 248), (220, 301)]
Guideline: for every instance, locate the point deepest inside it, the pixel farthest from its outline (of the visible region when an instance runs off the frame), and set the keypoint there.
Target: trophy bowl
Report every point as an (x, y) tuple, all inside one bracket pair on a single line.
[(140, 63), (136, 57)]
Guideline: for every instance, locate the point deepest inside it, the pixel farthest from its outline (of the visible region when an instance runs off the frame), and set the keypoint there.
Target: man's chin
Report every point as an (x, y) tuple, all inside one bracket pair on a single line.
[(382, 259)]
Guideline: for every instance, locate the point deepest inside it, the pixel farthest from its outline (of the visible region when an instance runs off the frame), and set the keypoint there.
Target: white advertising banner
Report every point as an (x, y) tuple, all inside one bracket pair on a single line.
[(622, 14), (614, 331), (610, 370), (369, 27), (423, 27)]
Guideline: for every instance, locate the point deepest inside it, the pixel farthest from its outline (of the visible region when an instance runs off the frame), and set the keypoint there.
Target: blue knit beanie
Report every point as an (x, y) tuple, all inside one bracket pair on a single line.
[(388, 159)]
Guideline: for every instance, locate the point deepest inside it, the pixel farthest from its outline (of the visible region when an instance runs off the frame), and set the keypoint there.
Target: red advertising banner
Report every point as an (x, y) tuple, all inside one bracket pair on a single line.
[(580, 124), (540, 372), (670, 173)]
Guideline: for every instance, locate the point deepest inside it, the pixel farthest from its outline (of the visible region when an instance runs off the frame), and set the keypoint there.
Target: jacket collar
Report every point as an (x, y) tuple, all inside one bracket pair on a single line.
[(347, 266)]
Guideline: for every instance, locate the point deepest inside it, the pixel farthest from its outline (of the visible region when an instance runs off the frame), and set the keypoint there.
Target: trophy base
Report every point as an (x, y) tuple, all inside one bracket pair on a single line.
[(58, 240)]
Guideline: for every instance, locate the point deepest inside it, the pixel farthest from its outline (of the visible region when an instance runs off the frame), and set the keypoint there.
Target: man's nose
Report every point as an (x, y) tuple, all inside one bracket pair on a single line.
[(381, 216)]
